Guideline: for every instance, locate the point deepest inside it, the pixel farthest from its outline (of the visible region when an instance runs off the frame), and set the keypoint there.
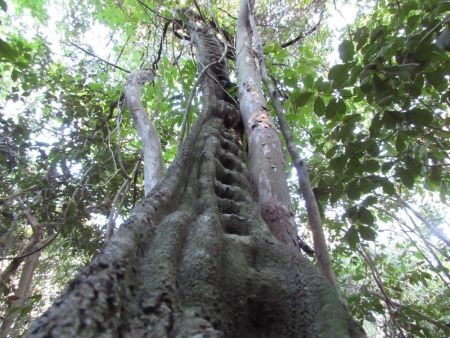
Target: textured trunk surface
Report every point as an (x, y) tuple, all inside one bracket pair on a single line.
[(196, 259), (23, 292), (266, 162), (315, 222), (151, 146)]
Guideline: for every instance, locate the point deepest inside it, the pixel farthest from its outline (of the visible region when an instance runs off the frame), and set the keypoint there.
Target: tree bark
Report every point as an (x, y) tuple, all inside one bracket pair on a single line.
[(9, 325), (23, 291), (151, 145), (265, 159), (315, 222), (195, 259)]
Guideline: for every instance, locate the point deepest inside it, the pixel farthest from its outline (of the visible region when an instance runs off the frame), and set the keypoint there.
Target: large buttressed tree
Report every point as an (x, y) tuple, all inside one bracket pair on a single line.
[(212, 249)]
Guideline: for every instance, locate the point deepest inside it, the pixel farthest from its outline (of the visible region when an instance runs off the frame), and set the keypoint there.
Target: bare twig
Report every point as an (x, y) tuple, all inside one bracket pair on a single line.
[(303, 35), (123, 49), (41, 247), (435, 230), (113, 214), (143, 4), (98, 57), (158, 54), (379, 282), (440, 324)]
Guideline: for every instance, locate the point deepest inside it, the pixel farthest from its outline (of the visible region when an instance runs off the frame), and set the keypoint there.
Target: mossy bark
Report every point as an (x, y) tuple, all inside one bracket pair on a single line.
[(196, 259)]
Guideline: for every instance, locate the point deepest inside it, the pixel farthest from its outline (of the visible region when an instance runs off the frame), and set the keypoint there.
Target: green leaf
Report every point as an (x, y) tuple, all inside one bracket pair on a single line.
[(7, 52), (352, 237), (367, 233), (388, 187), (338, 74), (335, 107), (308, 80), (301, 98), (340, 107), (371, 166), (375, 125), (369, 200), (346, 50), (290, 78), (3, 5), (319, 106), (361, 36), (391, 118), (413, 166), (330, 152), (352, 190), (435, 175), (419, 116), (437, 79), (386, 166), (338, 163), (365, 216), (400, 143), (406, 177)]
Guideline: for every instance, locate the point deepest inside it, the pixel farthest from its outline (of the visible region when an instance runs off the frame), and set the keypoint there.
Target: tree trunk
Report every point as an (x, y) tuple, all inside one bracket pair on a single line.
[(195, 259), (21, 295), (23, 291), (153, 159), (266, 163), (315, 222)]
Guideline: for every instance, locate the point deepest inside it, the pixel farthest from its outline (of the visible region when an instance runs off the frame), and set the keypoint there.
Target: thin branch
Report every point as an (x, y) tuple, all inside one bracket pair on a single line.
[(199, 11), (428, 245), (440, 324), (113, 213), (98, 57), (227, 13), (22, 192), (153, 11), (403, 225), (303, 35), (119, 154), (163, 37), (379, 282), (41, 247), (123, 49), (435, 230)]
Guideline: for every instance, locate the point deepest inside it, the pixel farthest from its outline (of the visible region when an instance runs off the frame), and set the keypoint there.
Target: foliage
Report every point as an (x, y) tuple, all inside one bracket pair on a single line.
[(374, 128)]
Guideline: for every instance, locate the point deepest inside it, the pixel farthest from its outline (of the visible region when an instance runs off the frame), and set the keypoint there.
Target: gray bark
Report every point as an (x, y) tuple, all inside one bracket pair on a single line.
[(195, 259), (23, 291), (266, 163), (315, 221), (151, 145)]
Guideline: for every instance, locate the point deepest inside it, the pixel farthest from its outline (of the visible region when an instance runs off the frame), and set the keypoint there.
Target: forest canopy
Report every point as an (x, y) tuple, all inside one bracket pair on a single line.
[(363, 87)]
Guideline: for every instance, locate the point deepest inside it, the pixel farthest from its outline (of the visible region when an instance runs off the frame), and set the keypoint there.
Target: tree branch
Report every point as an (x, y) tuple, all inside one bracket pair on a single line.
[(303, 35), (163, 36), (436, 231), (98, 57), (387, 300)]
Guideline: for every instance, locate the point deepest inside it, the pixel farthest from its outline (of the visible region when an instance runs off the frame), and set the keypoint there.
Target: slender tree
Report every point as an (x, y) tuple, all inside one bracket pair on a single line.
[(211, 250)]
